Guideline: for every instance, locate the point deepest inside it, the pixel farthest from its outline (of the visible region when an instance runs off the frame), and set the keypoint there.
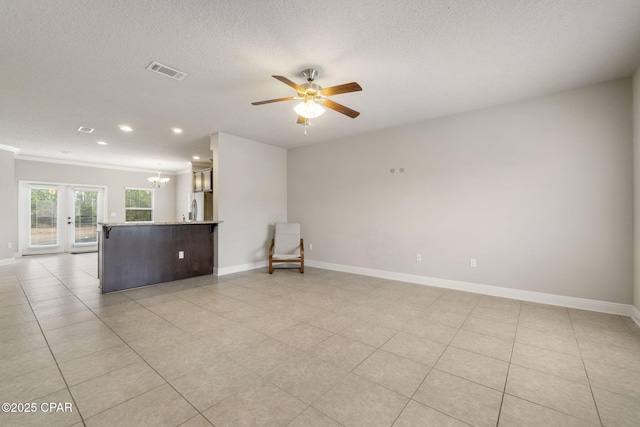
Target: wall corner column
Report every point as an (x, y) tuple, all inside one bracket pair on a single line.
[(636, 196), (9, 205)]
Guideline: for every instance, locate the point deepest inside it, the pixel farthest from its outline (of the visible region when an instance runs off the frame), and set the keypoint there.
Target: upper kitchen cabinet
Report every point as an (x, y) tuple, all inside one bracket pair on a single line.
[(202, 180)]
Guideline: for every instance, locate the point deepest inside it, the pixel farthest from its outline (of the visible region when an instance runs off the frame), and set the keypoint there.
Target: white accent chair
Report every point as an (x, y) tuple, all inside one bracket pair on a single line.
[(286, 246)]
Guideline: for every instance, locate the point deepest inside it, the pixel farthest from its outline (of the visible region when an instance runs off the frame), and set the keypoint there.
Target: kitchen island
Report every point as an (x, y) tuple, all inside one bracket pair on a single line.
[(131, 255)]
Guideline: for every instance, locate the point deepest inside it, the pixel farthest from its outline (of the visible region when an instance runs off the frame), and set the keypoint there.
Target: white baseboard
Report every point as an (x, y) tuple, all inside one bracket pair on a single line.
[(7, 261), (531, 296), (635, 315), (240, 268)]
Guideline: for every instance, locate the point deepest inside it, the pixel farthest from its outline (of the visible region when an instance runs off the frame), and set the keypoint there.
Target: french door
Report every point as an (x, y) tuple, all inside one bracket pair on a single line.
[(57, 218)]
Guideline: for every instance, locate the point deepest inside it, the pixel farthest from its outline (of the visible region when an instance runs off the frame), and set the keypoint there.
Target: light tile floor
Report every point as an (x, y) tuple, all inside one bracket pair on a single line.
[(319, 349)]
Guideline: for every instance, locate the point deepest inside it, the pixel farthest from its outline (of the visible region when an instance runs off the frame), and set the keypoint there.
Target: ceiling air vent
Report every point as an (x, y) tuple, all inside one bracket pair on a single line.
[(166, 71), (85, 129)]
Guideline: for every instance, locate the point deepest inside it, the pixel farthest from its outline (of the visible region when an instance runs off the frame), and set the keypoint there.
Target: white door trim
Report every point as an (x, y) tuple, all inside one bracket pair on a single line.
[(71, 245), (64, 189)]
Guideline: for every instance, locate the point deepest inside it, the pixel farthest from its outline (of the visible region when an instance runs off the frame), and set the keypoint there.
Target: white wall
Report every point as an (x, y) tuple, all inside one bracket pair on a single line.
[(636, 161), (539, 192), (250, 190), (115, 181), (184, 188), (8, 207)]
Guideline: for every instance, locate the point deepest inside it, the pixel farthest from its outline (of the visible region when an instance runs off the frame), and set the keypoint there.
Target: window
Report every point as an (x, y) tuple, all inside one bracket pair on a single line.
[(138, 205)]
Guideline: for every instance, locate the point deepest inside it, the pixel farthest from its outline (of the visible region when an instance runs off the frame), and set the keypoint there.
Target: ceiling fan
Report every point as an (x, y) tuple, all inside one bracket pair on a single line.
[(313, 97)]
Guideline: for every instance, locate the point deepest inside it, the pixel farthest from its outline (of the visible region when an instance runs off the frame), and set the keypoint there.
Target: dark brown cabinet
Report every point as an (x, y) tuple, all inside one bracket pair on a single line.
[(134, 255)]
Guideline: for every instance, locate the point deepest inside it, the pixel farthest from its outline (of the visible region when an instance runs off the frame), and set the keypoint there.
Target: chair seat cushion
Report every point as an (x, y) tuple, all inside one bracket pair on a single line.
[(287, 238), (286, 256)]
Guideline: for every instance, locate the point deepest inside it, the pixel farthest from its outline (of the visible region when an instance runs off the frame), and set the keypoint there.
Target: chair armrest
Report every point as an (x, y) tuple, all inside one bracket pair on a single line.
[(273, 242)]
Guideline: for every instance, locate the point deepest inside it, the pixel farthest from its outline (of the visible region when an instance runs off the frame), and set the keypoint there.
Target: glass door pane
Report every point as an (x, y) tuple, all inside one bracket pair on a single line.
[(58, 218), (84, 207), (86, 216), (43, 227)]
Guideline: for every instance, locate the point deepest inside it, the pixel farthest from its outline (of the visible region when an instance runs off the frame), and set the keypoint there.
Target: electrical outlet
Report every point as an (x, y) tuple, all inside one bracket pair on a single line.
[(419, 257), (181, 255), (9, 245), (310, 246), (113, 214), (473, 262)]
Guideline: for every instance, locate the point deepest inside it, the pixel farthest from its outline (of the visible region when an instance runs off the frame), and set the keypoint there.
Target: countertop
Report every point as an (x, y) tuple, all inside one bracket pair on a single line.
[(127, 224)]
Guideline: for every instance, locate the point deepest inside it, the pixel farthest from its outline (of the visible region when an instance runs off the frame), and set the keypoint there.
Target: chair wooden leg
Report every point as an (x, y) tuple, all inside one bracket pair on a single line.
[(302, 266), (270, 266)]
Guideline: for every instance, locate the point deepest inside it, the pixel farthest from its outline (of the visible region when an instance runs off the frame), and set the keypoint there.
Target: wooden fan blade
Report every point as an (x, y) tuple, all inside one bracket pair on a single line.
[(274, 100), (301, 120), (289, 83), (345, 88), (340, 108)]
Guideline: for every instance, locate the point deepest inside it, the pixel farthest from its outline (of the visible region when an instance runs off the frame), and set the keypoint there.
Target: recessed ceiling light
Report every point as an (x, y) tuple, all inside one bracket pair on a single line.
[(85, 129), (102, 143), (64, 152), (176, 130), (126, 128), (196, 158)]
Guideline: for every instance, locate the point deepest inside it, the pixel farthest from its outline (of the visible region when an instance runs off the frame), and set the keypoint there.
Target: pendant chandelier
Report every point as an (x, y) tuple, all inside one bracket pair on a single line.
[(157, 182)]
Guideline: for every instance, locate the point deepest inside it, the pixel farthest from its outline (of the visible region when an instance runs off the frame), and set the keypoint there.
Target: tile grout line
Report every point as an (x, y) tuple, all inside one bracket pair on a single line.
[(263, 377), (47, 341), (595, 403), (294, 300), (127, 344), (152, 368), (346, 372), (330, 388), (434, 367), (506, 379), (222, 354), (554, 376)]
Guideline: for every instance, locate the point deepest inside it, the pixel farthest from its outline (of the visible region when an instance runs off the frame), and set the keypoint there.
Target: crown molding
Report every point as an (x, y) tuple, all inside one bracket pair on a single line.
[(92, 165), (9, 148)]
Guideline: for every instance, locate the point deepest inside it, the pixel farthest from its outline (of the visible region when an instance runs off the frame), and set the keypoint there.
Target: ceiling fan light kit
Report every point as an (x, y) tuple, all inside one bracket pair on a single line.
[(309, 109), (314, 98)]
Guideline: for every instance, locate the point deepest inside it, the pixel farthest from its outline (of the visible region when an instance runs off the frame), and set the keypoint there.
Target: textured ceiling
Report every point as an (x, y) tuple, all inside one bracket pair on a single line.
[(72, 63)]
